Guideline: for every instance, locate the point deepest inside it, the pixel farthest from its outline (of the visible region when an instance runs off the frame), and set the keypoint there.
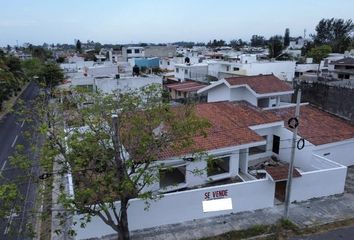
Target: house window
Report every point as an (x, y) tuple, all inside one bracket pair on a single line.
[(258, 149), (236, 68), (168, 63), (227, 68), (179, 93), (136, 51), (177, 70), (218, 166), (185, 71), (129, 51), (172, 176)]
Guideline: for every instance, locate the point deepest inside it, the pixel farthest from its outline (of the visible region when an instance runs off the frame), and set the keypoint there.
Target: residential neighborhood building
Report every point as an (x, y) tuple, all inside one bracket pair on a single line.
[(264, 91), (148, 63), (248, 65), (188, 71), (132, 52), (184, 90), (342, 69)]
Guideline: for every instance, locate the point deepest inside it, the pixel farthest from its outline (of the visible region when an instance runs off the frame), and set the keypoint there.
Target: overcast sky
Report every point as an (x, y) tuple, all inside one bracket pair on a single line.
[(134, 21)]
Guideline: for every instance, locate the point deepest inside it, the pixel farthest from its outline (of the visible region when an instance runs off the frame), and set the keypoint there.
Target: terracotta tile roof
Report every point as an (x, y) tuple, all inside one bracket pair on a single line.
[(230, 125), (280, 173), (187, 86), (261, 84), (317, 126)]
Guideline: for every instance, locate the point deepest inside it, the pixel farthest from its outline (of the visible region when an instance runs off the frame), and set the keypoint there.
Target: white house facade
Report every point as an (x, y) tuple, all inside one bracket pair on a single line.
[(264, 91), (250, 151)]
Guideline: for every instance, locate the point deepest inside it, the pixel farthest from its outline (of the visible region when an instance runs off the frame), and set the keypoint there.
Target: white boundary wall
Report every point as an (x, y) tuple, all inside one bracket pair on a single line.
[(319, 183), (185, 206)]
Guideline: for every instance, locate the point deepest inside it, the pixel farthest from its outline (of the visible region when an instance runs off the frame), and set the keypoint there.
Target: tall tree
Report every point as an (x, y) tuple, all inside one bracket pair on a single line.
[(275, 46), (237, 44), (336, 33), (287, 37), (320, 52), (257, 41), (114, 158), (78, 46), (51, 75)]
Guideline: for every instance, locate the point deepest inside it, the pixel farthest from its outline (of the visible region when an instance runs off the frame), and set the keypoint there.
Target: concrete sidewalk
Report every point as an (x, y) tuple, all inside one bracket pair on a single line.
[(310, 213)]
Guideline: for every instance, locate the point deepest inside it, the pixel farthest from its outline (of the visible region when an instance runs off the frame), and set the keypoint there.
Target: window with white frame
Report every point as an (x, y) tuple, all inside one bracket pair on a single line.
[(258, 149), (218, 165), (177, 70), (185, 71)]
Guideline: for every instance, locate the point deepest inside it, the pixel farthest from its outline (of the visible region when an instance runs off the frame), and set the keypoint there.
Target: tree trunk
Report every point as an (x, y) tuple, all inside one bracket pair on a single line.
[(123, 223)]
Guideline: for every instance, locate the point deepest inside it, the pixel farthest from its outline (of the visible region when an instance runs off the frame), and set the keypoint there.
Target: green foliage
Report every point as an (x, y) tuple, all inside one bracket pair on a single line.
[(32, 67), (320, 52), (258, 41), (51, 75), (287, 37), (114, 158), (237, 44), (11, 78), (335, 33), (275, 45), (78, 46), (8, 195), (216, 43)]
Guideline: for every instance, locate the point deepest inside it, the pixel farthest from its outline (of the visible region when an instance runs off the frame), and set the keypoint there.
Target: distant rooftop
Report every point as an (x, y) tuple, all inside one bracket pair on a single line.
[(261, 84), (187, 86)]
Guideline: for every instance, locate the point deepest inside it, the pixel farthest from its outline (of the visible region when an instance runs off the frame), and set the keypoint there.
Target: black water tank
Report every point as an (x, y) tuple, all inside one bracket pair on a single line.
[(136, 70), (187, 60)]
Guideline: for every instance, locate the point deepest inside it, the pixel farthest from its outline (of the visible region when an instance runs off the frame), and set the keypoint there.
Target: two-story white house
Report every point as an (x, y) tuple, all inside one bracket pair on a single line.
[(187, 71), (264, 91), (248, 65), (342, 69)]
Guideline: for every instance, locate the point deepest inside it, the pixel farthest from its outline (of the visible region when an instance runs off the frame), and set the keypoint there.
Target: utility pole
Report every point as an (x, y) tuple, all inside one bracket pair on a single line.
[(293, 123)]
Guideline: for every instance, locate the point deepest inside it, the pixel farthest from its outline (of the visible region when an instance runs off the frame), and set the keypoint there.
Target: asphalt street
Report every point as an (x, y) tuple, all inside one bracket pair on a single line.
[(12, 129), (346, 233)]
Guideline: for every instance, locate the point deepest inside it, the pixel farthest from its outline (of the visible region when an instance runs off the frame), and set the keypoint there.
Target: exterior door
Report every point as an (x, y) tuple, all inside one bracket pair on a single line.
[(276, 144)]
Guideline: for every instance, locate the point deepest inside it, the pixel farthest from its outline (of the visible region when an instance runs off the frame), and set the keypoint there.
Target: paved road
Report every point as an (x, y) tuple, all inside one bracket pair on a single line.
[(12, 128), (346, 233)]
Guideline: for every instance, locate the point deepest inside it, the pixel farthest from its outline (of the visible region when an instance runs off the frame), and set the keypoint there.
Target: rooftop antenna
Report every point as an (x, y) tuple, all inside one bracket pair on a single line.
[(305, 33)]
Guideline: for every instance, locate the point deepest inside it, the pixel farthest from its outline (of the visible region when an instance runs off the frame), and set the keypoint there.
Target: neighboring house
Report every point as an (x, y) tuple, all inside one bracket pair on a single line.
[(187, 71), (306, 70), (168, 64), (264, 91), (296, 44), (248, 65), (184, 90), (160, 51), (108, 85), (148, 52), (132, 52), (145, 62), (124, 84), (342, 69)]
